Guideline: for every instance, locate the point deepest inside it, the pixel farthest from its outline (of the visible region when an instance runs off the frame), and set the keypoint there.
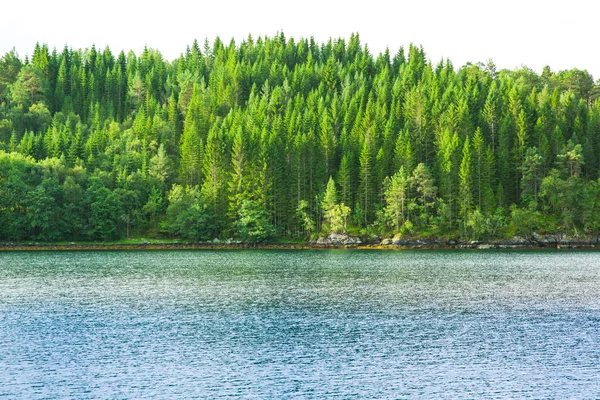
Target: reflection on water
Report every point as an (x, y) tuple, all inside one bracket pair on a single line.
[(300, 324)]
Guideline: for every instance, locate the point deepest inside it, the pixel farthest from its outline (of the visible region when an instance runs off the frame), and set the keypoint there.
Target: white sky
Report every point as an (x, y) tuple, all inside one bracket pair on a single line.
[(512, 33)]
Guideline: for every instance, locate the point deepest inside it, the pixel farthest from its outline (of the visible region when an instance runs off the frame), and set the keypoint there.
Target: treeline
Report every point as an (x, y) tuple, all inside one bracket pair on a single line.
[(277, 137)]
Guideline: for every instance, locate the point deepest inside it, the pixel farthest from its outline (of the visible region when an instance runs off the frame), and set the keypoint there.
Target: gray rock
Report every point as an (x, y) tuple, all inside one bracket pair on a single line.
[(518, 239), (553, 238), (338, 239)]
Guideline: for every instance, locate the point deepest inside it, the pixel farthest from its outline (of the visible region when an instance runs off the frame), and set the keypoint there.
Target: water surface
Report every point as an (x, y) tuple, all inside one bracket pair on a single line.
[(300, 324)]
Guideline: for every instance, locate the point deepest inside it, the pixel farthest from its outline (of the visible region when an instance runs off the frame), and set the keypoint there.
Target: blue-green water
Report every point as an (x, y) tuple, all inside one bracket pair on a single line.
[(300, 324)]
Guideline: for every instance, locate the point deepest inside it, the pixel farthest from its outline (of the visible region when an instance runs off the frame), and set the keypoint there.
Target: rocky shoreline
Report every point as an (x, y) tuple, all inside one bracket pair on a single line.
[(534, 241), (333, 241)]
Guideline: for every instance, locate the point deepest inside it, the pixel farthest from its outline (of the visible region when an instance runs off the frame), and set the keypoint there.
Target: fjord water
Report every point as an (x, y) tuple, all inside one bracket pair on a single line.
[(300, 324)]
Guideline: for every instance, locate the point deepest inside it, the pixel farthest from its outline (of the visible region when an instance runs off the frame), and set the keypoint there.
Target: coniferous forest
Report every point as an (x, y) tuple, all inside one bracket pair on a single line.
[(277, 137)]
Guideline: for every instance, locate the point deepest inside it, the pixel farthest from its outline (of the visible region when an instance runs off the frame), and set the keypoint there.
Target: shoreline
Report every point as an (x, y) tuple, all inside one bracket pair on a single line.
[(294, 246)]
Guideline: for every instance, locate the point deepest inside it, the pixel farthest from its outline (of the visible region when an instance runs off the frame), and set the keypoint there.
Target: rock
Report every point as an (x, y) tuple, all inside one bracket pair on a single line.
[(386, 242), (338, 239), (452, 242), (553, 238), (518, 239), (216, 240), (144, 241), (398, 241), (357, 241)]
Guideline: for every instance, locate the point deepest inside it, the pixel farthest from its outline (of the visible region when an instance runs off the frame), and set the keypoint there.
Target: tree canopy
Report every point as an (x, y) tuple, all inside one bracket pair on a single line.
[(279, 136)]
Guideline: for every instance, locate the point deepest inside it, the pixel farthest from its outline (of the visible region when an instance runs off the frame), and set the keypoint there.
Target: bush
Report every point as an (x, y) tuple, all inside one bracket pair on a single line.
[(254, 223), (188, 216)]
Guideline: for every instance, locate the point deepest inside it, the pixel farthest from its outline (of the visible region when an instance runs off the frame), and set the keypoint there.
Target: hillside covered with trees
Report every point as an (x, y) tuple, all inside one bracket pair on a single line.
[(282, 138)]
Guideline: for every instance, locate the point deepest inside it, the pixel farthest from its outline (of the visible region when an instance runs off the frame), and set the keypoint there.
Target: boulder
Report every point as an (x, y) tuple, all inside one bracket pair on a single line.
[(338, 239), (518, 240)]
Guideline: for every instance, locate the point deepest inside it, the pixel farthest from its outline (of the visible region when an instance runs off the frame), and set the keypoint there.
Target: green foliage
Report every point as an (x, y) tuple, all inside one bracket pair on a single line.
[(244, 139), (526, 222), (10, 65), (253, 224), (105, 210), (335, 214), (306, 221), (188, 216), (396, 199), (485, 227), (30, 87), (571, 159), (44, 214), (466, 182), (425, 190)]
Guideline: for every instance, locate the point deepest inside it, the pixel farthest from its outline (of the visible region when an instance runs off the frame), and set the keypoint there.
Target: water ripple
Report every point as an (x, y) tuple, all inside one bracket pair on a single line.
[(300, 324)]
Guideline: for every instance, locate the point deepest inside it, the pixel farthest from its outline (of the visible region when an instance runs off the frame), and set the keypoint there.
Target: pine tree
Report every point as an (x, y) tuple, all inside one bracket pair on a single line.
[(328, 143), (479, 153), (447, 146), (238, 185), (213, 187), (466, 182), (531, 171), (365, 188), (423, 184), (192, 146), (345, 179), (489, 113), (396, 198), (13, 144)]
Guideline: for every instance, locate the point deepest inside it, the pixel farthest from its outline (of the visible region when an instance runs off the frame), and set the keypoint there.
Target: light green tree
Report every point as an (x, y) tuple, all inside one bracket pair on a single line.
[(306, 221), (335, 214), (466, 182), (396, 198)]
